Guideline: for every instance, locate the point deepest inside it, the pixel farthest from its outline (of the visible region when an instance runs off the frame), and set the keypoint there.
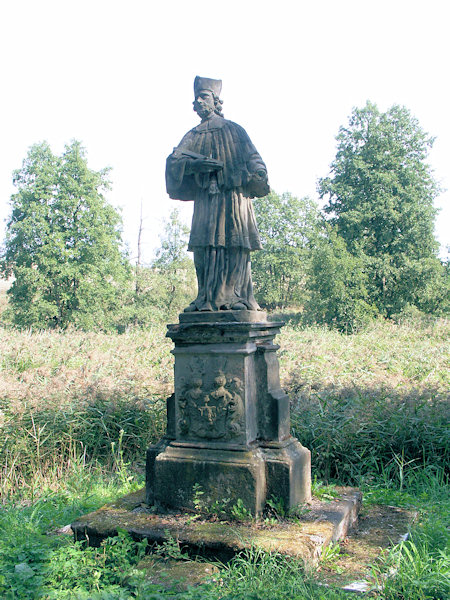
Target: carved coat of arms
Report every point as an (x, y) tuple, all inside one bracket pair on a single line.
[(212, 411)]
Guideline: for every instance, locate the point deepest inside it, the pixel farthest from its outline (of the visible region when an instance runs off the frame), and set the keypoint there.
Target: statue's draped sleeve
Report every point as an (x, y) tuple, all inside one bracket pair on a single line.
[(226, 142), (179, 183)]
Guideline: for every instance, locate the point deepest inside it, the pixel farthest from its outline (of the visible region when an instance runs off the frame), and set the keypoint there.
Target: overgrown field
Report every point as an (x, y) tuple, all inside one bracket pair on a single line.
[(77, 411)]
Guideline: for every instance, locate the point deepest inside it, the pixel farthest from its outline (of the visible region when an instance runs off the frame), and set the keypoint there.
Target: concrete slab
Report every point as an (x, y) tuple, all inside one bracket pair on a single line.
[(319, 523)]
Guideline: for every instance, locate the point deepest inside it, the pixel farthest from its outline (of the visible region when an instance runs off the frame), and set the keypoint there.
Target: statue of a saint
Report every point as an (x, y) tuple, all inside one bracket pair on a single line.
[(217, 166)]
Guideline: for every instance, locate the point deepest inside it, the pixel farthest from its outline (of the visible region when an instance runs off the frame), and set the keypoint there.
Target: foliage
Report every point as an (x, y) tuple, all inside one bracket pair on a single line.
[(172, 252), (38, 565), (159, 296), (171, 548), (420, 565), (164, 288), (34, 564), (368, 405), (62, 390), (354, 437), (63, 243), (176, 267), (322, 491), (338, 283), (258, 575), (66, 395), (287, 226), (380, 201), (239, 512)]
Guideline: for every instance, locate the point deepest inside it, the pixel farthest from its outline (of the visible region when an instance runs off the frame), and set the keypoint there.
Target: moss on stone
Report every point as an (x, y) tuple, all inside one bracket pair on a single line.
[(303, 539), (177, 575)]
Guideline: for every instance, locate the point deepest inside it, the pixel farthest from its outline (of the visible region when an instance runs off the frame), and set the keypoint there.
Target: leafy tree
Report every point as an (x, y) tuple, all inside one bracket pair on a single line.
[(63, 242), (176, 268), (380, 200), (168, 285), (174, 241), (338, 285), (287, 226)]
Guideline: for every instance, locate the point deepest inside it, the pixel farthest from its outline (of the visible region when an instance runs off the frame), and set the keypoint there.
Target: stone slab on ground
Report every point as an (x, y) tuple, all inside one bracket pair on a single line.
[(177, 575), (379, 528), (320, 524)]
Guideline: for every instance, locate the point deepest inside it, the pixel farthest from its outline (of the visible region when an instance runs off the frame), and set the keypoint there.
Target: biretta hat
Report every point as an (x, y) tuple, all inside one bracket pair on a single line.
[(203, 83)]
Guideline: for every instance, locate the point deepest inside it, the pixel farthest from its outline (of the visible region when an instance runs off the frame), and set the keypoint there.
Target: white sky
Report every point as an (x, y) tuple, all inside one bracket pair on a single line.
[(118, 76)]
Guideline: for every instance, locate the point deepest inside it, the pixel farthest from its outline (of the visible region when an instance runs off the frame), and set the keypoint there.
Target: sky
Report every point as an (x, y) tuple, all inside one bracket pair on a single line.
[(118, 76)]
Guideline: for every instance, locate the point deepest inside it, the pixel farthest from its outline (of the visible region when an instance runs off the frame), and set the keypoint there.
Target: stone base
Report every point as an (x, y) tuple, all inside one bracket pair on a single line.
[(288, 473), (182, 476), (228, 429), (319, 524), (224, 316)]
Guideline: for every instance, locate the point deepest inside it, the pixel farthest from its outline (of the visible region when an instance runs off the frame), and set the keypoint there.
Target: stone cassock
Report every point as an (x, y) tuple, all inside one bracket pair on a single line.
[(216, 166)]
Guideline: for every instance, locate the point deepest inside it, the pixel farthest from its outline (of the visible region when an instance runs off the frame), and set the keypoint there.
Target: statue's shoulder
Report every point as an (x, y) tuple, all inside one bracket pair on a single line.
[(216, 123), (236, 129)]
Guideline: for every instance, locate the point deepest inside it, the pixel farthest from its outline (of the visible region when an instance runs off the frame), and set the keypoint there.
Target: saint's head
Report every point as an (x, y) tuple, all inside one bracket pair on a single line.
[(206, 94)]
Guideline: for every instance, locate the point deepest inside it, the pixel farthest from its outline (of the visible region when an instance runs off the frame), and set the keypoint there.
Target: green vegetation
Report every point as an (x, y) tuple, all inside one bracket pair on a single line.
[(63, 249), (370, 252), (338, 285), (78, 410), (62, 243), (159, 292), (86, 368), (380, 201), (288, 227)]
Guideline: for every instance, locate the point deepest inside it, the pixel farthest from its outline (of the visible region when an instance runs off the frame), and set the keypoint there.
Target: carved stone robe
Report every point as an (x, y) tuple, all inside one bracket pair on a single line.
[(223, 224)]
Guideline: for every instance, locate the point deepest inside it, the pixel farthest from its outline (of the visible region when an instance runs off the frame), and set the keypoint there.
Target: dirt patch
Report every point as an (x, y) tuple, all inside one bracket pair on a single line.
[(379, 528)]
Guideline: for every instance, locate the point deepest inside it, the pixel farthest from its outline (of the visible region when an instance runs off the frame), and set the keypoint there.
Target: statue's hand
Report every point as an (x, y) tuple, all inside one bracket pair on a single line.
[(205, 165)]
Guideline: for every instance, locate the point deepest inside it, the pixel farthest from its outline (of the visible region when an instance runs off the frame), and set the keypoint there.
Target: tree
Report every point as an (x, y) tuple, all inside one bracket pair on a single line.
[(174, 241), (287, 226), (62, 243), (176, 268), (380, 201), (168, 284), (338, 285)]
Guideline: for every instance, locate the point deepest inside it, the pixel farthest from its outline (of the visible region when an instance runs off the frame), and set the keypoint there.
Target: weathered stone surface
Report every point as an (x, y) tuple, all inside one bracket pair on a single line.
[(288, 472), (228, 431), (321, 523), (220, 475), (218, 168), (224, 316), (177, 575), (228, 425), (379, 527)]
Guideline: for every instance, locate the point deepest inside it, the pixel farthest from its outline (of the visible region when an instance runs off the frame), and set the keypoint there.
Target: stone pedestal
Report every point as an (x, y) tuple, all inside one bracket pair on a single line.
[(228, 423)]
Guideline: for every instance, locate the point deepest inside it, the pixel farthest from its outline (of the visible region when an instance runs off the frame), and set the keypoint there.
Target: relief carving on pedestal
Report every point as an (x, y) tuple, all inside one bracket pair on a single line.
[(212, 411)]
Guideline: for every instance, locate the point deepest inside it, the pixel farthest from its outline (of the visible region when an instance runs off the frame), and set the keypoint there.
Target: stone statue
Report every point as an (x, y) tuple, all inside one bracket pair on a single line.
[(217, 166)]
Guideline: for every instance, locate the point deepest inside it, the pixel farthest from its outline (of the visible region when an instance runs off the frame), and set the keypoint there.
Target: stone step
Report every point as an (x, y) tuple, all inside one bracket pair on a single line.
[(318, 524)]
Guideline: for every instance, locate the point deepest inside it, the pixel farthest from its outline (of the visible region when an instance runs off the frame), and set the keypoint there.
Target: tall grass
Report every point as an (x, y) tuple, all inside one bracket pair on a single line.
[(419, 567), (375, 403), (371, 404), (65, 397), (77, 411)]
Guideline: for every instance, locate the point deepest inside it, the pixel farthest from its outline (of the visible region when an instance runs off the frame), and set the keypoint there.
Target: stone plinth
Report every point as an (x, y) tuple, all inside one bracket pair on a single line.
[(228, 427), (319, 524)]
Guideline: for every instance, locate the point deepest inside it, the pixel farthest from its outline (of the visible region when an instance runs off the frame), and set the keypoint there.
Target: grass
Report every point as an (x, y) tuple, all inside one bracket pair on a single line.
[(38, 565), (66, 397), (371, 404), (77, 411)]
